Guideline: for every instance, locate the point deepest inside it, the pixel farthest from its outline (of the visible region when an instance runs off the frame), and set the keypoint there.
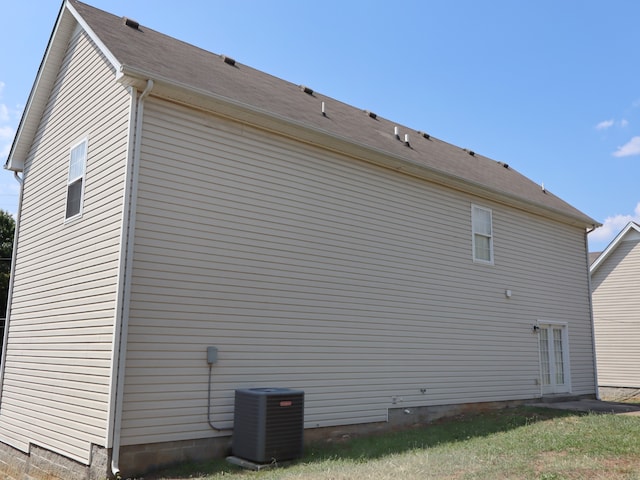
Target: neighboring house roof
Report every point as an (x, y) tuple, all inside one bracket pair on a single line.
[(593, 256), (631, 230), (190, 75)]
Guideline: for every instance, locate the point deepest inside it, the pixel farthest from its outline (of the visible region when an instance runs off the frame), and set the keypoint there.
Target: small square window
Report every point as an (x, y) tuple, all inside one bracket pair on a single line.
[(75, 181), (482, 226)]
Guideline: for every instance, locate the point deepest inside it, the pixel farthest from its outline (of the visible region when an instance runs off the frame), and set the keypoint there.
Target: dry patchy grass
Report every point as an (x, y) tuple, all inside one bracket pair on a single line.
[(521, 443)]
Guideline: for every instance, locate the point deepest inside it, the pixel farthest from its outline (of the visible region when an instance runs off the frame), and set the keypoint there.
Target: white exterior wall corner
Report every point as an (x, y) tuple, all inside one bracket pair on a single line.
[(616, 310), (311, 270), (57, 372)]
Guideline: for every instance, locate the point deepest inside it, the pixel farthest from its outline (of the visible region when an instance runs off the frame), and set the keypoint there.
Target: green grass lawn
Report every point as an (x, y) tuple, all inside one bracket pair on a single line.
[(520, 443)]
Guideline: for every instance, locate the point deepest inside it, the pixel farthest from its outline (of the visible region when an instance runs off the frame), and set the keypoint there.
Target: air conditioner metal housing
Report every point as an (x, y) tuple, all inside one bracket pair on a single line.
[(268, 424)]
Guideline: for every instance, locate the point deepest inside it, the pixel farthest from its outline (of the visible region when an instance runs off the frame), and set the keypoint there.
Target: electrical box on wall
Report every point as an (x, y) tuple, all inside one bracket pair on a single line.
[(212, 355)]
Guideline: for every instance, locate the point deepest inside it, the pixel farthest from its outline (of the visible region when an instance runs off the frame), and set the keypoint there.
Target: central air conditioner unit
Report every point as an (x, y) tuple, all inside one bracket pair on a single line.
[(268, 424)]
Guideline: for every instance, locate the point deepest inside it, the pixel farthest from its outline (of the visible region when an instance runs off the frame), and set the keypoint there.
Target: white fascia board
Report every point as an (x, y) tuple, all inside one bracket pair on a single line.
[(92, 35), (613, 245)]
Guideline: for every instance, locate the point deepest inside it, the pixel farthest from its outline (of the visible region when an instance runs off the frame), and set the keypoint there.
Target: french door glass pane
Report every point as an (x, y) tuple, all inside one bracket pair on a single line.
[(558, 354), (544, 357)]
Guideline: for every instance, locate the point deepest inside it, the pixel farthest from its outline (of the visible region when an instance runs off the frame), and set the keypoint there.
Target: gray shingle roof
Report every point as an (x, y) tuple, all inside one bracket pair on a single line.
[(593, 256), (178, 63)]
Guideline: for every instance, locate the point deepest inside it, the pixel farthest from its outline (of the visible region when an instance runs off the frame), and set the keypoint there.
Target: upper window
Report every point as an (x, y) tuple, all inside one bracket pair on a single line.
[(482, 234), (75, 182)]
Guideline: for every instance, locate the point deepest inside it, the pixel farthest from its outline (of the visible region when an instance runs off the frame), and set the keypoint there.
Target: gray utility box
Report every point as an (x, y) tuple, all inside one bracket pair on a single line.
[(268, 424)]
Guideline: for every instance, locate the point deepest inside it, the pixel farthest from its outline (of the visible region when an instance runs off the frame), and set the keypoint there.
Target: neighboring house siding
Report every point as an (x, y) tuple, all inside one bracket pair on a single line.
[(315, 271), (616, 308), (57, 377)]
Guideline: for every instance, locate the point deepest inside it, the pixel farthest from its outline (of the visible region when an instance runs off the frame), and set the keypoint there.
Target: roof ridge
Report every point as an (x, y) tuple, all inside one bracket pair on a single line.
[(189, 70)]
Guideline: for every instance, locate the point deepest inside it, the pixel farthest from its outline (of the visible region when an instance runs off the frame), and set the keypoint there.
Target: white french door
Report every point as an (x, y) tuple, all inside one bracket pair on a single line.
[(554, 358)]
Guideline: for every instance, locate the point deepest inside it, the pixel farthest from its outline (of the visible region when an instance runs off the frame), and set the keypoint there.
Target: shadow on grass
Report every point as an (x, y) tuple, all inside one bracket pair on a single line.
[(448, 430)]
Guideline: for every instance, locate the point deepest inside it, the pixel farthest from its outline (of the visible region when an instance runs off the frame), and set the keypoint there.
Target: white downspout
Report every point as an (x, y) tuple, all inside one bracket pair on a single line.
[(126, 284), (536, 331), (593, 326), (12, 276)]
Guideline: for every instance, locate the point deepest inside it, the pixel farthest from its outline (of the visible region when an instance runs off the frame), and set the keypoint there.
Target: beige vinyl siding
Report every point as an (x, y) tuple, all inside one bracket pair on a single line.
[(311, 270), (616, 309), (56, 384)]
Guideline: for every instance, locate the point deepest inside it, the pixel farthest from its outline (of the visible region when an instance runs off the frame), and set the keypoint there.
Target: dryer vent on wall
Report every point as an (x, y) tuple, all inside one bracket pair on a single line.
[(268, 424)]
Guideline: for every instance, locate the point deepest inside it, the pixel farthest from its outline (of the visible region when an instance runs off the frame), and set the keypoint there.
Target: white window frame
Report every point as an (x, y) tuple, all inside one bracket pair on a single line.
[(474, 232), (73, 178)]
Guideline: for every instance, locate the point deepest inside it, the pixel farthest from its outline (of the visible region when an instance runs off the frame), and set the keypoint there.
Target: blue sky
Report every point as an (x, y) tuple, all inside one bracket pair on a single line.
[(550, 87)]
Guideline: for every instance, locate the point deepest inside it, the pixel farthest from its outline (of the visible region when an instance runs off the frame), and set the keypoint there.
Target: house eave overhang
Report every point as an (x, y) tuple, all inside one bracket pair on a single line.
[(238, 111)]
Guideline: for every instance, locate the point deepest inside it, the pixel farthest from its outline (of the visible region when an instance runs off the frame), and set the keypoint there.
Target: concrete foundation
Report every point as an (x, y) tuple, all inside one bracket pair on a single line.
[(139, 459), (43, 464), (619, 394)]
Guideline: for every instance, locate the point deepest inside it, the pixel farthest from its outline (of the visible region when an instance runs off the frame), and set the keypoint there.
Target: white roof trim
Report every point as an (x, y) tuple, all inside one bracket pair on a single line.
[(613, 245), (107, 53), (67, 21)]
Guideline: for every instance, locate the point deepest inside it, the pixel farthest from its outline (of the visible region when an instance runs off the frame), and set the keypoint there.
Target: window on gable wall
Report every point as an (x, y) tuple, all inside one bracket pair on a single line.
[(75, 182), (481, 221)]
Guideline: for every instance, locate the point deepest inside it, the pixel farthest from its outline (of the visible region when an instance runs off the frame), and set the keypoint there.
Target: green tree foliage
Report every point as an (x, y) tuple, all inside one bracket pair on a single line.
[(7, 228)]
